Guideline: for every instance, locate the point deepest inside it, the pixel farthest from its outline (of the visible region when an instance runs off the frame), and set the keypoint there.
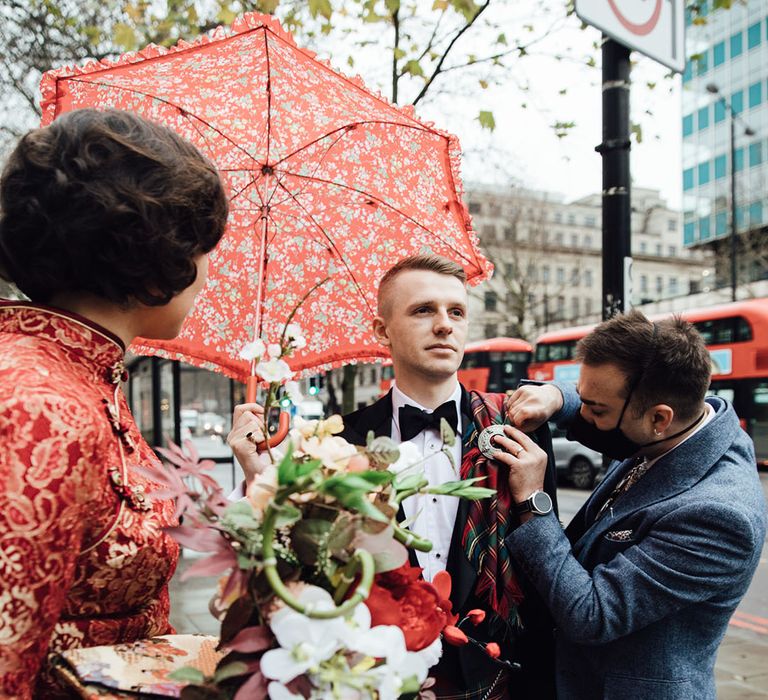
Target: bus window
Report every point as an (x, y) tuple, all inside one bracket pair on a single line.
[(758, 423), (735, 329)]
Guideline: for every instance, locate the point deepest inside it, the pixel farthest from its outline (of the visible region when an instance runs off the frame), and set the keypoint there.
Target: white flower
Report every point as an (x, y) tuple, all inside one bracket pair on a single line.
[(410, 460), (277, 691), (294, 393), (304, 642), (252, 351), (292, 330), (334, 452), (431, 654), (298, 342), (274, 371), (274, 350)]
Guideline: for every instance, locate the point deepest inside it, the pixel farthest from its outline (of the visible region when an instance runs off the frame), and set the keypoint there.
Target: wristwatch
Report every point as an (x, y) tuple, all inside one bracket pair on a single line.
[(538, 503)]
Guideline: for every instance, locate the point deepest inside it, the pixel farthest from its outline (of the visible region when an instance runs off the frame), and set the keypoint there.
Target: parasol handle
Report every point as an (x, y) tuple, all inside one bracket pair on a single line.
[(283, 422)]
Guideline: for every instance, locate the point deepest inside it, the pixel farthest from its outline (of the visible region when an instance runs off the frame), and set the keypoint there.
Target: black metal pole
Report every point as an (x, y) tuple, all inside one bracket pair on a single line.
[(617, 213), (734, 268)]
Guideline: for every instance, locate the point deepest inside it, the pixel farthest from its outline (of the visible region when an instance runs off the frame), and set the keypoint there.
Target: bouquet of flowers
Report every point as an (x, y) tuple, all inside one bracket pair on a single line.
[(316, 597)]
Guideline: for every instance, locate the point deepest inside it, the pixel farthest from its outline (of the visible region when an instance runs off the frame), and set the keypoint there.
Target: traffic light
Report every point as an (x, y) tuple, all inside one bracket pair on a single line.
[(314, 386), (285, 401)]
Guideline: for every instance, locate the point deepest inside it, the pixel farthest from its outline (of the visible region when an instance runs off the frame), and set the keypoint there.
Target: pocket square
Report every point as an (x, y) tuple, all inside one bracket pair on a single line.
[(619, 535)]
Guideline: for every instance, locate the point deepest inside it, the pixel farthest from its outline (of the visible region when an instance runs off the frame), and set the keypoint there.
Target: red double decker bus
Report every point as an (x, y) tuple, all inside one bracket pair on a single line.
[(496, 364), (736, 335)]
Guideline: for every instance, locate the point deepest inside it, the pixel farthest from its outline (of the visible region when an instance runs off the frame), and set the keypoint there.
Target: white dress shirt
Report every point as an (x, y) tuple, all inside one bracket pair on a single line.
[(431, 517)]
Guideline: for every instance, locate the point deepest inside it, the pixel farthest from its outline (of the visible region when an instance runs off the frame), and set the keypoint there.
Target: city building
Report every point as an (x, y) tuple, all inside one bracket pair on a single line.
[(725, 140), (548, 258)]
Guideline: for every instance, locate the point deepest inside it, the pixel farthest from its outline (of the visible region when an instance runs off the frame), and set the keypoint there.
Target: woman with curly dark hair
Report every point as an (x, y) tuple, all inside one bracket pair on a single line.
[(106, 220)]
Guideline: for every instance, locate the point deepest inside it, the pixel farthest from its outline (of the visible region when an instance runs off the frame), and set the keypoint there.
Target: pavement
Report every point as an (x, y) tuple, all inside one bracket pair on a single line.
[(741, 671)]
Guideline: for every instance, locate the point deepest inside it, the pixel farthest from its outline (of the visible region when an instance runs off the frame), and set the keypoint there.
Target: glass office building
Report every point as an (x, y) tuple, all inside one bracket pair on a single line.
[(728, 52)]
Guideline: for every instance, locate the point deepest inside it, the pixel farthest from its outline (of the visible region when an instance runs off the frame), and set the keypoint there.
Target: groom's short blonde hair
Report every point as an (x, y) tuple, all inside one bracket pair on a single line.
[(428, 262)]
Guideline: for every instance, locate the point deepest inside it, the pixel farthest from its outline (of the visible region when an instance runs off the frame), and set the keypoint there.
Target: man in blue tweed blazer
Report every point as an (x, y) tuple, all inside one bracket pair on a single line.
[(644, 580)]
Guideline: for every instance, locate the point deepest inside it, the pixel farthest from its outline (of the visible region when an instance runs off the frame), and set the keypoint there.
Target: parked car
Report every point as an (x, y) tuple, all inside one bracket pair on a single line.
[(578, 464)]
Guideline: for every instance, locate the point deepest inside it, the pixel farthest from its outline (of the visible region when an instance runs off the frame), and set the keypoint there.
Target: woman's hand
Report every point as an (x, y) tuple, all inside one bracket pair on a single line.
[(248, 430)]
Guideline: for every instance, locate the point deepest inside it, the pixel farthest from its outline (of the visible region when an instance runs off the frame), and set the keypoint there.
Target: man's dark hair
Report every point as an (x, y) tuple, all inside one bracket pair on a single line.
[(663, 362), (107, 203)]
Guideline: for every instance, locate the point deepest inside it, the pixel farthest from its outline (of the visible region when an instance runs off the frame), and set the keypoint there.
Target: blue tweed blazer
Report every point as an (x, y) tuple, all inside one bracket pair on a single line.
[(642, 597)]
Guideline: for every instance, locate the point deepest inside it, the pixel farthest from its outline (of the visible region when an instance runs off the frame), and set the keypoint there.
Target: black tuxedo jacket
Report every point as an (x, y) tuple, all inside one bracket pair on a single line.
[(532, 647)]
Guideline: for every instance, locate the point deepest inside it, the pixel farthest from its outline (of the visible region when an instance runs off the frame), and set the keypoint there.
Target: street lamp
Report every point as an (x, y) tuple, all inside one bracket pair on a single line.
[(715, 90)]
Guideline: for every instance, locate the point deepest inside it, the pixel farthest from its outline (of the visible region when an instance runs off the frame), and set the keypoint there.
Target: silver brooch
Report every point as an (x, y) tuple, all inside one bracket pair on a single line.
[(485, 440)]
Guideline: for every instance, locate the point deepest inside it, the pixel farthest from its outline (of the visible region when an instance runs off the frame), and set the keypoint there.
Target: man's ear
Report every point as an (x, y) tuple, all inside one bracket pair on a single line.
[(663, 415), (380, 331)]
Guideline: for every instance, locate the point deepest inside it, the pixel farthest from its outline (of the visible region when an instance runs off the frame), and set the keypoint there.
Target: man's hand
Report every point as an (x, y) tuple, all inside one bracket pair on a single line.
[(247, 430), (532, 405), (527, 462)]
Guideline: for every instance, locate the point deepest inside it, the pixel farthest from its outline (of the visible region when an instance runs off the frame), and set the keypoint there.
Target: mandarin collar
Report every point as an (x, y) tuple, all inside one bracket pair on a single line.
[(87, 343)]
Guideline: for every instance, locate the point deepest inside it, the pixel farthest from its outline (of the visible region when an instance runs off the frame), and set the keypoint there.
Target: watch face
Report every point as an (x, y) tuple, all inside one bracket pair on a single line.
[(542, 503)]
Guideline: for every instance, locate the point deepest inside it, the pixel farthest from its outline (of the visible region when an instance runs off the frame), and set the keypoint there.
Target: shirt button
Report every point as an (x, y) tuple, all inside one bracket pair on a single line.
[(437, 556), (434, 499)]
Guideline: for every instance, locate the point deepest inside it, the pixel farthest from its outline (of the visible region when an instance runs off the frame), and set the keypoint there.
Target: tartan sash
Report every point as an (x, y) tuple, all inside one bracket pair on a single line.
[(490, 520)]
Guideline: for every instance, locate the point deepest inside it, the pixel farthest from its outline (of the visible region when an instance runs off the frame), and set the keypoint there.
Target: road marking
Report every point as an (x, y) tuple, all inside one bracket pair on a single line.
[(749, 622)]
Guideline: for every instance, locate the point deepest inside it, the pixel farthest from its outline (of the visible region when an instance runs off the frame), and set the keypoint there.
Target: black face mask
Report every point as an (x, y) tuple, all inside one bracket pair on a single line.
[(613, 442)]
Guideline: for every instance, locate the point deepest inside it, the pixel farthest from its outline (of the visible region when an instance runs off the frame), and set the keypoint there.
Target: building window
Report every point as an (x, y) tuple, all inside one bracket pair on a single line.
[(688, 233), (509, 269), (574, 308), (643, 247), (574, 241), (587, 241), (560, 310), (545, 274), (737, 45), (704, 232), (575, 277), (753, 35), (560, 278), (755, 153), (688, 72), (687, 125), (755, 94), (658, 249), (672, 251), (587, 278), (721, 166), (738, 159), (702, 63), (475, 207), (558, 218), (509, 233), (491, 330), (737, 101), (559, 238), (671, 224), (673, 289), (571, 219), (719, 111), (491, 301), (688, 179), (721, 222), (488, 231), (659, 285), (703, 115), (718, 54), (643, 284), (590, 221), (755, 213), (587, 306), (494, 210), (703, 173)]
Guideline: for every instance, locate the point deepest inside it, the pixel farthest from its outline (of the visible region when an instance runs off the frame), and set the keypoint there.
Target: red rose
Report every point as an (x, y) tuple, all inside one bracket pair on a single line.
[(401, 598)]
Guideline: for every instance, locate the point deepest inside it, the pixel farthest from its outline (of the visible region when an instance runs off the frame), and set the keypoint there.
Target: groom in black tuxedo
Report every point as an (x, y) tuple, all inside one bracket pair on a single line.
[(422, 320)]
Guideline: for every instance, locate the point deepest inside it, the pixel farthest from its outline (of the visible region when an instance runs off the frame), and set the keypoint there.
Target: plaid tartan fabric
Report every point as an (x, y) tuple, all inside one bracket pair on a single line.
[(497, 689), (490, 520)]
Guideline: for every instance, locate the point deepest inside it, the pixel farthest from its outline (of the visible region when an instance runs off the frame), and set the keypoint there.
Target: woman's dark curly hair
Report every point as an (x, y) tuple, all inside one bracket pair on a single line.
[(107, 203)]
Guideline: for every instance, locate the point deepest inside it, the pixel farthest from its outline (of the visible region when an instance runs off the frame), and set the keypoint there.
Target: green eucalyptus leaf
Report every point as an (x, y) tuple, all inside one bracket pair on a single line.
[(232, 670), (287, 514), (187, 674)]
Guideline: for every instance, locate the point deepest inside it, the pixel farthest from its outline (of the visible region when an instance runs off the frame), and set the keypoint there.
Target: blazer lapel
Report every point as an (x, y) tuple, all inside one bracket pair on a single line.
[(670, 476)]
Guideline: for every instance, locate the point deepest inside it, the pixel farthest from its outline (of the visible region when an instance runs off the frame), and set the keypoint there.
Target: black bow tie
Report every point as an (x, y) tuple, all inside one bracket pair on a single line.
[(413, 420)]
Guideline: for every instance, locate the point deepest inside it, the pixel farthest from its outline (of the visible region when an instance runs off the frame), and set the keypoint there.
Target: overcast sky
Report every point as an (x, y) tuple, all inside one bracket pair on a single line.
[(524, 145)]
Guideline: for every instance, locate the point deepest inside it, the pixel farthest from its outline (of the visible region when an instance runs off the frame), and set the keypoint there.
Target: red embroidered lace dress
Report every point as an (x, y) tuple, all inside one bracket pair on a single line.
[(83, 558)]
